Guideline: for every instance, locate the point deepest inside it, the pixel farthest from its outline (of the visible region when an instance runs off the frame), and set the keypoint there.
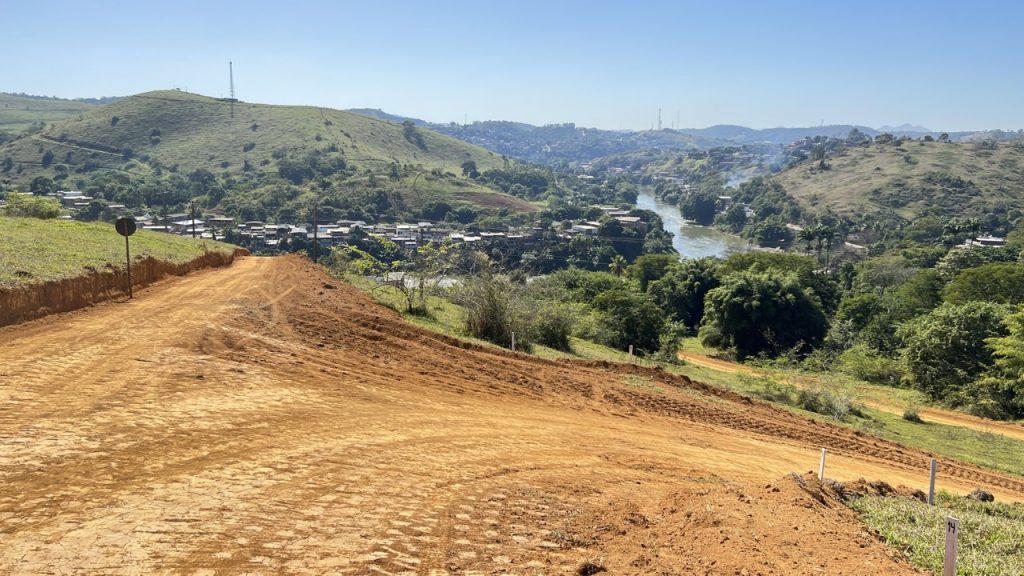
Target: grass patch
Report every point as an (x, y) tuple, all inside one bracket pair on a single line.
[(34, 251), (991, 534), (982, 448)]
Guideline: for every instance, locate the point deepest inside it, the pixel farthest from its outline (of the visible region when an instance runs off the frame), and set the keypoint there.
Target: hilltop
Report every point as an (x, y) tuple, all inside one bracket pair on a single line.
[(182, 132), (909, 177)]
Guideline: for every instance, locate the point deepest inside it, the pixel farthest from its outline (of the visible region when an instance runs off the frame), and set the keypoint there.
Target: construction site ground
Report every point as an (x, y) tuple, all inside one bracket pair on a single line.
[(267, 419)]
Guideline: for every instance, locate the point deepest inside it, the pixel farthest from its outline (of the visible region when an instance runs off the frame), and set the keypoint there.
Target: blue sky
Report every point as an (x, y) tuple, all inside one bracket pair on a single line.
[(945, 65)]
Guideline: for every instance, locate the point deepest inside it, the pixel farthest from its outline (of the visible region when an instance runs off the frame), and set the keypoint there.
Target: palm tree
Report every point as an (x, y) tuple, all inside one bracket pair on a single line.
[(617, 265), (973, 228), (828, 233), (818, 232), (807, 235)]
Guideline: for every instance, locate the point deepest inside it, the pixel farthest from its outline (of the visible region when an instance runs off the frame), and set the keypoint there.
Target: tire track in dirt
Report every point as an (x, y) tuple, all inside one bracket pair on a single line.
[(255, 420)]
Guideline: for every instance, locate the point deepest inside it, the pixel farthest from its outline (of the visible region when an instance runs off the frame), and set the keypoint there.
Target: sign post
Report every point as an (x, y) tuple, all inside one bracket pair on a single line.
[(126, 227), (952, 532)]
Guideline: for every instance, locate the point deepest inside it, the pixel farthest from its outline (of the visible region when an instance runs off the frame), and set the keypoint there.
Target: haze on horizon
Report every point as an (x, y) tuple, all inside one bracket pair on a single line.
[(941, 64)]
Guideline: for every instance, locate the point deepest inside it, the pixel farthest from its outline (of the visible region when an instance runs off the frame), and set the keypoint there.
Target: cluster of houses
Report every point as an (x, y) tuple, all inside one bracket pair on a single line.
[(409, 236), (591, 227), (271, 237)]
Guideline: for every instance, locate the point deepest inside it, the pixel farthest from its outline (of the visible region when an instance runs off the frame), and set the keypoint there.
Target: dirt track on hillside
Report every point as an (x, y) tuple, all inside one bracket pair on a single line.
[(261, 420), (928, 414)]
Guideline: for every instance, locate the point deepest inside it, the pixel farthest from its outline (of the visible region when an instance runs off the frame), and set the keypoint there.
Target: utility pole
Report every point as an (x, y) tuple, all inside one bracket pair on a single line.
[(192, 214)]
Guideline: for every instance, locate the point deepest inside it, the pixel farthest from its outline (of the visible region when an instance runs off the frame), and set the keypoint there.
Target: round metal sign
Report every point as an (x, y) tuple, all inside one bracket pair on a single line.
[(125, 226)]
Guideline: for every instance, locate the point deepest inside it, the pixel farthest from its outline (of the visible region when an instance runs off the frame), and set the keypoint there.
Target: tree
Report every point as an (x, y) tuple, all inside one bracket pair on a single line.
[(808, 236), (469, 169), (31, 206), (630, 318), (41, 185), (1001, 392), (617, 266), (650, 267), (47, 158), (759, 313), (680, 292), (997, 282), (734, 219), (945, 349), (413, 135), (700, 207), (828, 234)]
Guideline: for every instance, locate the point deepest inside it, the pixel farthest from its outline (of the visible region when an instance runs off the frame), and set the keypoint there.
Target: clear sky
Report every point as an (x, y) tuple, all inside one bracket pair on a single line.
[(761, 63)]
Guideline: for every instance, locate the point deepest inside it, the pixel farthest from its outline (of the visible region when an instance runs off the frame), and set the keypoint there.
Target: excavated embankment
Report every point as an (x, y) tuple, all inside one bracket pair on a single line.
[(97, 285)]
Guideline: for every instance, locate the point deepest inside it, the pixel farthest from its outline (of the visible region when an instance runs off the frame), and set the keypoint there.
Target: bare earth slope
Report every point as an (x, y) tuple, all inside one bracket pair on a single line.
[(253, 420)]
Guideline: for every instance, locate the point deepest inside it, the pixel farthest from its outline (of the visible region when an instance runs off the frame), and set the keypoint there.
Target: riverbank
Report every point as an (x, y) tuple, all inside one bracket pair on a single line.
[(689, 239)]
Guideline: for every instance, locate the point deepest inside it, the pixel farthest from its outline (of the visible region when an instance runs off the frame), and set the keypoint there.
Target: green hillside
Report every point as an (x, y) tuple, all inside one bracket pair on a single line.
[(17, 113), (34, 251), (909, 178), (182, 132)]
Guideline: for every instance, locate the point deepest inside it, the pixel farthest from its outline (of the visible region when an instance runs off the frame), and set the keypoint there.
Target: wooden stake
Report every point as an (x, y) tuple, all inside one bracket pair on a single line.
[(821, 469), (952, 532)]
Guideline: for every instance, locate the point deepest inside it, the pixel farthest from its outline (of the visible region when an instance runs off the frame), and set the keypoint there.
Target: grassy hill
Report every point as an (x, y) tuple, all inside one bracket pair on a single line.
[(18, 113), (183, 132), (34, 251), (957, 178)]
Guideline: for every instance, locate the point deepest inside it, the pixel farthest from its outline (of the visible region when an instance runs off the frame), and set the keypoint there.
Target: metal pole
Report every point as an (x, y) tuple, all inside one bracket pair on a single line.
[(513, 341), (931, 482), (128, 259), (821, 469)]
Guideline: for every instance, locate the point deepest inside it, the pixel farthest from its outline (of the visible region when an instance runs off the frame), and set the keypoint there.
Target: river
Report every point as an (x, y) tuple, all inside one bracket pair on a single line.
[(689, 239)]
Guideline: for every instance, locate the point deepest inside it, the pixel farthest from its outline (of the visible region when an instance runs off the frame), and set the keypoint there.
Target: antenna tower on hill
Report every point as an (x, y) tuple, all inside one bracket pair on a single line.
[(231, 79)]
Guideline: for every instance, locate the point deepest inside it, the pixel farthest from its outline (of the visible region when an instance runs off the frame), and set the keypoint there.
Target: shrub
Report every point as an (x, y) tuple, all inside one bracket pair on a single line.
[(863, 363), (828, 400), (494, 310), (910, 415), (553, 325), (31, 206)]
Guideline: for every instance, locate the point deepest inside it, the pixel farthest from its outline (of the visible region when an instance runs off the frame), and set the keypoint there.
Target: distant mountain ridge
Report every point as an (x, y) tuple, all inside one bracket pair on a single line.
[(567, 142)]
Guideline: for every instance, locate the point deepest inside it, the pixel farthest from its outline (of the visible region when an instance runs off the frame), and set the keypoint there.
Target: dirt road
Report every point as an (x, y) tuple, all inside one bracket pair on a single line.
[(260, 420), (928, 414)]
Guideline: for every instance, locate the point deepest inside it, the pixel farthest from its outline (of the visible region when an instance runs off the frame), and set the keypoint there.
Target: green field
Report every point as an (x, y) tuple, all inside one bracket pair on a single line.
[(20, 112), (34, 251), (990, 541), (182, 132)]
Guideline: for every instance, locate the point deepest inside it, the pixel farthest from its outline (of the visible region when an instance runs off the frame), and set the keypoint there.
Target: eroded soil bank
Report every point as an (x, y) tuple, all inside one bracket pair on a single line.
[(97, 285)]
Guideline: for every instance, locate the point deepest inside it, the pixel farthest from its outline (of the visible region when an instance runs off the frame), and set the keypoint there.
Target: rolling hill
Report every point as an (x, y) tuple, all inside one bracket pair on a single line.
[(179, 131), (19, 112), (956, 178)]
